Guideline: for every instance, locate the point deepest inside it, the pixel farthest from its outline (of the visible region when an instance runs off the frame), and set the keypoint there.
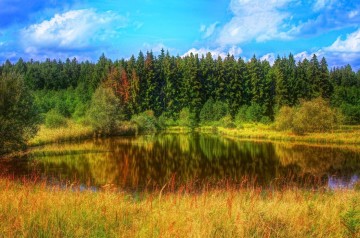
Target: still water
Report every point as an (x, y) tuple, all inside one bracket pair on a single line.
[(151, 161)]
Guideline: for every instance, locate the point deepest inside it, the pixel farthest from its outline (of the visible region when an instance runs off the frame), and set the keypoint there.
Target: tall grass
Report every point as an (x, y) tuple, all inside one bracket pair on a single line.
[(344, 135), (30, 210), (71, 132)]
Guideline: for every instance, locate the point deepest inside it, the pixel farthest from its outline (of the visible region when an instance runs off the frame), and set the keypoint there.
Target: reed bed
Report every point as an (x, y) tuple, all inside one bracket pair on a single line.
[(344, 135), (73, 131), (32, 209)]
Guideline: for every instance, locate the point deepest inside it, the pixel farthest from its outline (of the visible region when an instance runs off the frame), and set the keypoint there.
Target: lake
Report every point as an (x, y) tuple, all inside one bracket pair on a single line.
[(189, 160)]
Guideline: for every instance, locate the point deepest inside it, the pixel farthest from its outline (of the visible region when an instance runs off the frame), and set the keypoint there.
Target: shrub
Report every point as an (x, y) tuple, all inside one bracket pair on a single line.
[(252, 113), (104, 111), (227, 122), (284, 118), (18, 114), (187, 118), (145, 121), (206, 113), (311, 116), (213, 111), (165, 121), (54, 119)]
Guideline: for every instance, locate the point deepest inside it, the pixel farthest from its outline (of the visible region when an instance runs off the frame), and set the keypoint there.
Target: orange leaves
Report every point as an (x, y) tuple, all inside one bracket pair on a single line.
[(118, 80)]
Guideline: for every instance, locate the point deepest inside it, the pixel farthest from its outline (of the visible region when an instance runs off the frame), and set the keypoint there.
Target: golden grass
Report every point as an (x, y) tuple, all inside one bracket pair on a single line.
[(344, 135), (73, 131), (28, 210)]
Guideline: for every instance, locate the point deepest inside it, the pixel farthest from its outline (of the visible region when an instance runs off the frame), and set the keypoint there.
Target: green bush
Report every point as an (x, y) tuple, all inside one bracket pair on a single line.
[(252, 113), (206, 113), (54, 119), (351, 113), (213, 111), (187, 118), (104, 112), (19, 117), (165, 121), (227, 122), (311, 116), (145, 121)]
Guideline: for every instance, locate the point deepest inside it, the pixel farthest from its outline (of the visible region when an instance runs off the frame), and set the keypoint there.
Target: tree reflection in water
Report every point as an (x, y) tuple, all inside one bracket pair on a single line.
[(152, 161)]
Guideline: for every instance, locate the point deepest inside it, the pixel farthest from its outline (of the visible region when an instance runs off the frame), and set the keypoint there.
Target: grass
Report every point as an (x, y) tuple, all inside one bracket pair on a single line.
[(30, 210), (344, 135), (73, 131)]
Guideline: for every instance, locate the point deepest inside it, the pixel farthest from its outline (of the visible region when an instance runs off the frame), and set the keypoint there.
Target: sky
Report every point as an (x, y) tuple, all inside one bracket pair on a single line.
[(60, 29)]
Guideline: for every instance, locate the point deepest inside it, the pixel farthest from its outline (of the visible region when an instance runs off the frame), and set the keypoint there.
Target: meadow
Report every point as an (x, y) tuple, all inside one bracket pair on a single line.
[(29, 209)]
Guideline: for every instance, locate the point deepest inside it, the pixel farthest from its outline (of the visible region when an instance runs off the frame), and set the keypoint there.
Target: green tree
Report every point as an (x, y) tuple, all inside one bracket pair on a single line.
[(18, 115), (104, 111)]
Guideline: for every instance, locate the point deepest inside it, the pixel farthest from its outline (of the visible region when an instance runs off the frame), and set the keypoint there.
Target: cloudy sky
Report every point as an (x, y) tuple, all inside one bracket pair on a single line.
[(87, 28)]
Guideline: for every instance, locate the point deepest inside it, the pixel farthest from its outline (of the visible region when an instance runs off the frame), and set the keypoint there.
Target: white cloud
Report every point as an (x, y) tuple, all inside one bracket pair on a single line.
[(221, 51), (255, 19), (321, 4), (353, 14), (156, 48), (270, 57), (208, 31), (75, 29), (351, 44)]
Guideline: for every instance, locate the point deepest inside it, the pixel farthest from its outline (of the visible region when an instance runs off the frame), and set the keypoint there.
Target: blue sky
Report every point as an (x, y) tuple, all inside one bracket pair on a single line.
[(87, 28)]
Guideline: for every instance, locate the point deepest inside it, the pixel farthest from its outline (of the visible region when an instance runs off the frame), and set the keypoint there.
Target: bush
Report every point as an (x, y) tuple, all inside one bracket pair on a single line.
[(252, 113), (213, 111), (351, 113), (187, 118), (53, 119), (284, 118), (145, 121), (311, 116), (165, 121), (227, 122), (104, 111), (19, 117)]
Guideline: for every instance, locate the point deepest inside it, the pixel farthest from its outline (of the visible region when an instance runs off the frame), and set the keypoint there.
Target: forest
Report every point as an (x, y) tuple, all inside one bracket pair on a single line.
[(176, 90)]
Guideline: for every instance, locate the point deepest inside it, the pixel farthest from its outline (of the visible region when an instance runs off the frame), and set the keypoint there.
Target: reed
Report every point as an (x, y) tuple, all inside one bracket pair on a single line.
[(73, 131), (29, 209), (344, 135)]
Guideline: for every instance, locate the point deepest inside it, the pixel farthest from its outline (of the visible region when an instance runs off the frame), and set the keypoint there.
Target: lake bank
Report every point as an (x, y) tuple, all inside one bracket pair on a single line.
[(32, 210), (346, 135)]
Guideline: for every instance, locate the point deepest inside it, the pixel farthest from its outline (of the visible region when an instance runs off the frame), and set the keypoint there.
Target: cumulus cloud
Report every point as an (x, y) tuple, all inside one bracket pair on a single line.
[(76, 29), (255, 20), (350, 44), (270, 57), (221, 51), (208, 30)]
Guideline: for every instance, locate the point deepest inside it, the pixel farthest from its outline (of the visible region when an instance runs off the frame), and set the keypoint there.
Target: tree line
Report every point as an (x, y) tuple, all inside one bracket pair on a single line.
[(166, 84)]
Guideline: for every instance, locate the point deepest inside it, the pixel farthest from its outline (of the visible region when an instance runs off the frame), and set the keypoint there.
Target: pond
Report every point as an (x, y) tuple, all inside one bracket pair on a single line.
[(193, 159)]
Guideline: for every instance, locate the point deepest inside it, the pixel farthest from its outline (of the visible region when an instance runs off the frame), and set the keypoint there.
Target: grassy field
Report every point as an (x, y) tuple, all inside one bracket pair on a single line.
[(29, 210), (344, 135), (72, 131), (75, 131)]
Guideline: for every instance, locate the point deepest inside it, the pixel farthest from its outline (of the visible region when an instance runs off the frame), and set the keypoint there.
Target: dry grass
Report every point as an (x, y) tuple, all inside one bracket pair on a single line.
[(29, 210), (345, 135), (72, 131)]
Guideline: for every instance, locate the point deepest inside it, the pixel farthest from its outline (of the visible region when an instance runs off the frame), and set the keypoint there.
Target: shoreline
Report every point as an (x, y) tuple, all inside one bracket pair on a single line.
[(76, 131)]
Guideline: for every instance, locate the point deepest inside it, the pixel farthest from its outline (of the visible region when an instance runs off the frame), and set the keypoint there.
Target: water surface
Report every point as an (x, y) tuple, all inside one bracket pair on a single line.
[(151, 161)]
